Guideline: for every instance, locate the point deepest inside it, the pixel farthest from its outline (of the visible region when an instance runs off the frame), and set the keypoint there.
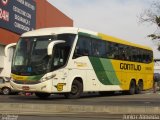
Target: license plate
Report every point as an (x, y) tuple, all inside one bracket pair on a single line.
[(25, 87)]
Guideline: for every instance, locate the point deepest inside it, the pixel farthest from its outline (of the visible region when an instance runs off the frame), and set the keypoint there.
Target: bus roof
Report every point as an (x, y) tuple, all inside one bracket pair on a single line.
[(74, 30), (51, 31)]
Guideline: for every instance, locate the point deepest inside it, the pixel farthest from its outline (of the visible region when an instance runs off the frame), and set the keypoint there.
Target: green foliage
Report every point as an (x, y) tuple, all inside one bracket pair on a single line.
[(157, 19), (153, 36)]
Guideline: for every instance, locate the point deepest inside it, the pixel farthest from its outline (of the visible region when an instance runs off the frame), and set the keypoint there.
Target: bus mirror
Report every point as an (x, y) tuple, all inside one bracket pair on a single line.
[(52, 44), (7, 47)]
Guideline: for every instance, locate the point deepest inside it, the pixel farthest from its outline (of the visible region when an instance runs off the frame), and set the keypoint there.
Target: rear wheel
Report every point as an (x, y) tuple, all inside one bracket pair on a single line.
[(76, 90), (132, 88), (139, 87), (42, 95), (6, 91)]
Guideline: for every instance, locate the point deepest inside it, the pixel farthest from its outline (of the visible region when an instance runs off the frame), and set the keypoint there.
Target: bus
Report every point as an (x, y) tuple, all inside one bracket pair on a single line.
[(71, 61)]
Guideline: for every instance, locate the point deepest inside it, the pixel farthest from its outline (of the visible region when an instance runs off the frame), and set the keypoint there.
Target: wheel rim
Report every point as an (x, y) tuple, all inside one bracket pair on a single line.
[(6, 91), (74, 89)]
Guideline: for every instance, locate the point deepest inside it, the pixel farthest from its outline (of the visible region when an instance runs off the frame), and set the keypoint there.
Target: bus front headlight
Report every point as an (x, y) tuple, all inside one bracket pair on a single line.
[(47, 78)]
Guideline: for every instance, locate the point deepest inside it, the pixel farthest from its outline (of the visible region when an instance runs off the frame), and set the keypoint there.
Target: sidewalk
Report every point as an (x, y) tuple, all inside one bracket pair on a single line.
[(146, 105), (50, 109)]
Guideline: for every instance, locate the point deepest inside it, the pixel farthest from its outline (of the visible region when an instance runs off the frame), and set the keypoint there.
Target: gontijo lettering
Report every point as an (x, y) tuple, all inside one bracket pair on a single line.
[(125, 66)]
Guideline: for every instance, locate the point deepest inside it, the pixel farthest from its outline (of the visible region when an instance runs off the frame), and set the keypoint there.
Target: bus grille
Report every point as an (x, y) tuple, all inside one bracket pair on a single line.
[(26, 82)]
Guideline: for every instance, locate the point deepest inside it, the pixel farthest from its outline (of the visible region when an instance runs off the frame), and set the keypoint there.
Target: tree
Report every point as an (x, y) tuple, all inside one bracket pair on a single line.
[(152, 15)]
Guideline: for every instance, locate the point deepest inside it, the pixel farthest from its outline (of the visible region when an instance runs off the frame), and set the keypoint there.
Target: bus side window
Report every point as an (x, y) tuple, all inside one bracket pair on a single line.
[(115, 51), (83, 47), (110, 50), (128, 53), (102, 49), (134, 55), (95, 47), (122, 52), (149, 56), (99, 48)]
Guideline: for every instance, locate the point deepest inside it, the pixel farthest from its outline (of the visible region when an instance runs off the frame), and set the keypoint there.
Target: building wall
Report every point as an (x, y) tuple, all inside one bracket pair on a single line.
[(7, 37), (46, 16)]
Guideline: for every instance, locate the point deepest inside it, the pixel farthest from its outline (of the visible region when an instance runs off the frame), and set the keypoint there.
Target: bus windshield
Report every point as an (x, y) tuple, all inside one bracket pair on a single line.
[(31, 56)]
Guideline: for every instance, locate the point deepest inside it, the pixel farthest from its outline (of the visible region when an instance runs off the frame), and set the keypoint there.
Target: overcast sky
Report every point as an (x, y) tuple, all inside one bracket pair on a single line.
[(118, 18)]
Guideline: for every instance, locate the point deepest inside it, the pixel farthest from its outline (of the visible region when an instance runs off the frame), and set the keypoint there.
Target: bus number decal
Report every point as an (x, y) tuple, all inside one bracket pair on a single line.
[(60, 86)]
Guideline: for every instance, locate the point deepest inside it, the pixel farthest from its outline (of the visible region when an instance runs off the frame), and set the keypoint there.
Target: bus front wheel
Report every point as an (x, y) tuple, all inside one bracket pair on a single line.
[(76, 90), (42, 95)]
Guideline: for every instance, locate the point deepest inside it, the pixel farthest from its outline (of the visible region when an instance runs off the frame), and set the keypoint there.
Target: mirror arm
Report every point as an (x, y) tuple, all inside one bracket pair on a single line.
[(7, 47), (52, 44)]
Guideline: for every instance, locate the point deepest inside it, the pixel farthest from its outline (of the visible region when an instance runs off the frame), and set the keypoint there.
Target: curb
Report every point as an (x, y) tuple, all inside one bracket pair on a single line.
[(51, 109)]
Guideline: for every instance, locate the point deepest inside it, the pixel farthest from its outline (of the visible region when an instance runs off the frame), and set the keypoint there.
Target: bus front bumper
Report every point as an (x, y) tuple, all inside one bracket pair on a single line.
[(40, 87)]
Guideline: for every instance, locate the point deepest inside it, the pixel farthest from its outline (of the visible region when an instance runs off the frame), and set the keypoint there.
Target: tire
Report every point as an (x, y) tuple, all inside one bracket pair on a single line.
[(76, 90), (132, 88), (139, 87), (42, 95), (6, 91)]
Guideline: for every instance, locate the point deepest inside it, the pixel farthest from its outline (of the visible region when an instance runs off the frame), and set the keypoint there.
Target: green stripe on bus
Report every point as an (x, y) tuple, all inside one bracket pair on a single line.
[(35, 78), (109, 70), (104, 71)]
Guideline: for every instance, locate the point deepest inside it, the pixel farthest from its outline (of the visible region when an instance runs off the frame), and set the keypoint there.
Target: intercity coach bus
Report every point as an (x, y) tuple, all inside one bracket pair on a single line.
[(70, 61)]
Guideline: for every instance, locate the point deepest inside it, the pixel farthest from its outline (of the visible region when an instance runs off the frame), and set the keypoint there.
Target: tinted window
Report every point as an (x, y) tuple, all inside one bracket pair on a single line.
[(134, 54), (149, 56), (83, 47), (98, 48), (114, 50), (61, 51), (123, 52), (31, 56), (128, 53)]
